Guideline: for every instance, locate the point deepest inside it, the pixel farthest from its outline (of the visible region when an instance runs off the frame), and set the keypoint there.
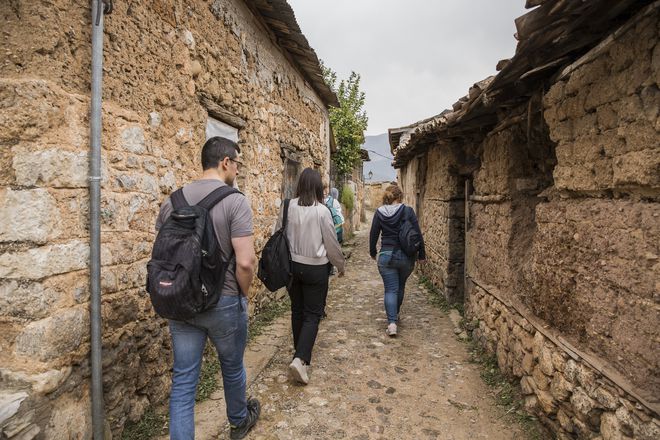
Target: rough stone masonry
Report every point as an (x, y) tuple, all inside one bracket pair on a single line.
[(169, 66), (556, 255)]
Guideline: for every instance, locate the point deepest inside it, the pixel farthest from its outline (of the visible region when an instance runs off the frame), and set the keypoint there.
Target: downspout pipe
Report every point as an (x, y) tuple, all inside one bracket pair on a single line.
[(98, 418)]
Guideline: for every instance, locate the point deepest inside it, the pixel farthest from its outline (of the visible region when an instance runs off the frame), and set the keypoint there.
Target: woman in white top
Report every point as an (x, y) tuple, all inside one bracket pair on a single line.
[(313, 244)]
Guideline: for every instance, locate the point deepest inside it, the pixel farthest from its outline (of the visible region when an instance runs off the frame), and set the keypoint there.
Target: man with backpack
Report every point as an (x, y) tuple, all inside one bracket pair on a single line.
[(222, 316)]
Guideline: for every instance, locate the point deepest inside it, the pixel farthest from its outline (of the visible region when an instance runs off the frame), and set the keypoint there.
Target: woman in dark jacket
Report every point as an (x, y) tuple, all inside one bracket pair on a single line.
[(393, 264)]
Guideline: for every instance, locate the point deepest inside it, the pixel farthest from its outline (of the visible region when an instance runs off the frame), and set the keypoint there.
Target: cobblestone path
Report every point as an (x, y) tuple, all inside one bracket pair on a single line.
[(366, 385)]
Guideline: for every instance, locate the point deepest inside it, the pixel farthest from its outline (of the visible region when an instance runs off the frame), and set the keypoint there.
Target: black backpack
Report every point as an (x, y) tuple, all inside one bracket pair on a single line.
[(409, 237), (186, 273), (275, 262)]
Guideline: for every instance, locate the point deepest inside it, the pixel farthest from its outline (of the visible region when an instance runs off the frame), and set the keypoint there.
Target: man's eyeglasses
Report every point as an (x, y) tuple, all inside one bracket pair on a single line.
[(238, 163)]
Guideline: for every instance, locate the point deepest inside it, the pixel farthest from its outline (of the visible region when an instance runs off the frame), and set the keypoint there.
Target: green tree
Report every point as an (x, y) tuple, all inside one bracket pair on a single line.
[(348, 121)]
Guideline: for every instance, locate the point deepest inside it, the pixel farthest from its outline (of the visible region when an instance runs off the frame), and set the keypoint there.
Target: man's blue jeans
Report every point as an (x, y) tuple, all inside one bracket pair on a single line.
[(395, 267), (226, 327)]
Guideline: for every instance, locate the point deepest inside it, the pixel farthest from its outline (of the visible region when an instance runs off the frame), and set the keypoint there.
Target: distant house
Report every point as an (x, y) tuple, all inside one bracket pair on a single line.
[(538, 194), (175, 73)]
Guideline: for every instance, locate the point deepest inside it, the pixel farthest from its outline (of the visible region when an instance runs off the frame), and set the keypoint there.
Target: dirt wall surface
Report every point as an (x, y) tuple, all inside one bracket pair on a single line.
[(408, 182), (442, 216), (373, 194), (604, 118), (602, 287), (582, 254), (162, 60), (564, 224), (601, 252)]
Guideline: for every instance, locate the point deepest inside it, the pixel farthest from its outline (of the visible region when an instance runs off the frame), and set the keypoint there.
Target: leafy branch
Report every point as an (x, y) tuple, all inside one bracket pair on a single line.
[(348, 121)]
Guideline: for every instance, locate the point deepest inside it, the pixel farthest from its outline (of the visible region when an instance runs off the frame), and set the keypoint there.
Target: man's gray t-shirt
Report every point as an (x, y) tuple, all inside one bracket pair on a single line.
[(232, 218)]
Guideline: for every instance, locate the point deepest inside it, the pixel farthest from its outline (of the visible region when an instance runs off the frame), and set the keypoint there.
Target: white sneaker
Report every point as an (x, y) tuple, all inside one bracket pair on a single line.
[(298, 371), (391, 330)]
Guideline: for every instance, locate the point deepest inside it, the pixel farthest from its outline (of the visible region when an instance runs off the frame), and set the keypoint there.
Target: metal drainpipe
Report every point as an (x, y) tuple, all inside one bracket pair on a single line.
[(99, 7)]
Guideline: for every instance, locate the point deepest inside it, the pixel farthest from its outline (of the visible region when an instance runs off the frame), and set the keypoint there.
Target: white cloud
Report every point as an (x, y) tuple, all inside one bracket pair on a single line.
[(416, 57)]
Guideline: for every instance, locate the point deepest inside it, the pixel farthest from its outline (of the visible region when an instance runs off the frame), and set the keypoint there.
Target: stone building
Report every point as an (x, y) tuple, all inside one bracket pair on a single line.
[(538, 194), (373, 194), (175, 72)]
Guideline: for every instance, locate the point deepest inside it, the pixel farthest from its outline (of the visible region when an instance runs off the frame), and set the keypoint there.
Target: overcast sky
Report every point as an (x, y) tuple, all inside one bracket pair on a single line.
[(416, 57)]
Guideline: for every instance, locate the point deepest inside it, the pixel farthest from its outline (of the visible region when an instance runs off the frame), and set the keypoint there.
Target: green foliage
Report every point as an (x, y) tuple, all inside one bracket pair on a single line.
[(435, 297), (150, 426), (348, 121), (347, 197), (267, 315)]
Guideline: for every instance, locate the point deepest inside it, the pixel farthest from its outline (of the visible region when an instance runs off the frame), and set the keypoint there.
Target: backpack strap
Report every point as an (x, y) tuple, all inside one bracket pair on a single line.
[(212, 199), (406, 213), (285, 214), (178, 199), (216, 196)]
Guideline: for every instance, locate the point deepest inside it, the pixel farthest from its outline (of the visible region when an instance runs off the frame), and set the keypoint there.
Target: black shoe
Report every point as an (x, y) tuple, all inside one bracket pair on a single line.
[(240, 431)]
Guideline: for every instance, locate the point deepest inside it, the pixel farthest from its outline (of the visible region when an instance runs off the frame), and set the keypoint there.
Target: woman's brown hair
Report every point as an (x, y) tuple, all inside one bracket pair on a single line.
[(392, 194), (310, 188)]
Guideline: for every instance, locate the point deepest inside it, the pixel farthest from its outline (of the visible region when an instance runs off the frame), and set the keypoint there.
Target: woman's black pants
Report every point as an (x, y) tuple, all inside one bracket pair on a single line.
[(308, 291)]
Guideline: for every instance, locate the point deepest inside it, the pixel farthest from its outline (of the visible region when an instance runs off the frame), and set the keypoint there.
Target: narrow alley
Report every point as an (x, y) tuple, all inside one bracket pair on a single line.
[(535, 183), (364, 385)]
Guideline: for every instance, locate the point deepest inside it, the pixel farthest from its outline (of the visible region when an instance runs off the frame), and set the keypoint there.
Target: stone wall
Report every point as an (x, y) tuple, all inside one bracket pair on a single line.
[(597, 246), (604, 119), (580, 258), (513, 170), (564, 237), (161, 59), (409, 181), (431, 183), (442, 217), (567, 392), (373, 194)]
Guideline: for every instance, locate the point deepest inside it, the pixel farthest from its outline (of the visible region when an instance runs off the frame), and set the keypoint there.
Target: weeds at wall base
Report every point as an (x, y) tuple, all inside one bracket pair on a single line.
[(506, 391), (153, 424), (435, 297)]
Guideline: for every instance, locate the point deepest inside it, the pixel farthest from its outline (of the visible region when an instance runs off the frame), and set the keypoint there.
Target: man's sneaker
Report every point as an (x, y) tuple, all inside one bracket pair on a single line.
[(391, 330), (298, 371), (240, 431)]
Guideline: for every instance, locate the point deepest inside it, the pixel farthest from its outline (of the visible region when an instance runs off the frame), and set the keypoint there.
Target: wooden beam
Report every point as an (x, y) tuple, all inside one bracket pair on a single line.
[(220, 113), (644, 396), (545, 67), (529, 4)]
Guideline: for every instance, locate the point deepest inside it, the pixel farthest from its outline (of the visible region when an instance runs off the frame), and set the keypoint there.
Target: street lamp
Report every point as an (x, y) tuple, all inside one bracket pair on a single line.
[(370, 175)]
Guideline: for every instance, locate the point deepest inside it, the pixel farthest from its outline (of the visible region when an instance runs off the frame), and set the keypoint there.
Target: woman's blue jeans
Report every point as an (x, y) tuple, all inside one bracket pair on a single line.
[(226, 327), (395, 267)]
